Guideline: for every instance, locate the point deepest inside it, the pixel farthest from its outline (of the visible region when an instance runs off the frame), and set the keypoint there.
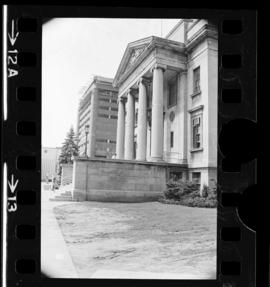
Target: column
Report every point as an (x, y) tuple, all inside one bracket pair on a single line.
[(142, 121), (92, 131), (157, 113), (183, 116), (129, 131), (120, 129)]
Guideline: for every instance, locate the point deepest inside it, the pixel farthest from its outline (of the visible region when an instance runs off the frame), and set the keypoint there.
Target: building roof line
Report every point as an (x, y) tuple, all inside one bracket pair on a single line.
[(176, 26)]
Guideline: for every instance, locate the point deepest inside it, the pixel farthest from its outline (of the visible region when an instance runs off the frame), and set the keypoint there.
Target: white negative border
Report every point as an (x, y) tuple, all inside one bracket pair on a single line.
[(4, 187), (4, 227), (5, 18)]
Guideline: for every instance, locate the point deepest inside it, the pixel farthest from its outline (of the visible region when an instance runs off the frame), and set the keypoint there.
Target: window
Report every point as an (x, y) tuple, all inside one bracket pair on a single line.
[(196, 132), (172, 92), (196, 80), (104, 108), (196, 177), (101, 140), (113, 117), (103, 116), (135, 148), (171, 139), (104, 100), (176, 175)]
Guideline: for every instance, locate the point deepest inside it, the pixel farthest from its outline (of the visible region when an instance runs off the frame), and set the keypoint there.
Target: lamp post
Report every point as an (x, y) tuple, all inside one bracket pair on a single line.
[(86, 129)]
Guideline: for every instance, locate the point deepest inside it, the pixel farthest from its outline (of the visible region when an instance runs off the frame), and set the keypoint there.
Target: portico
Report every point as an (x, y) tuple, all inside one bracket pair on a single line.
[(146, 66)]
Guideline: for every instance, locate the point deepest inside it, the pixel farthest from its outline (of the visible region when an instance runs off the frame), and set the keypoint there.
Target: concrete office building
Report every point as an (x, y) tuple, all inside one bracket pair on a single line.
[(98, 111)]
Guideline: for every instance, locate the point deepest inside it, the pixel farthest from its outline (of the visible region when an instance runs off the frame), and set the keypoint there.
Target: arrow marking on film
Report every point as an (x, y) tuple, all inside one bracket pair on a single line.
[(13, 36), (11, 185)]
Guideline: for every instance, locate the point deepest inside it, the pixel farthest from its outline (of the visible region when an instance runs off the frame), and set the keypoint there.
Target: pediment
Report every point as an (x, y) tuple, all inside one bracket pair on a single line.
[(132, 53), (136, 52)]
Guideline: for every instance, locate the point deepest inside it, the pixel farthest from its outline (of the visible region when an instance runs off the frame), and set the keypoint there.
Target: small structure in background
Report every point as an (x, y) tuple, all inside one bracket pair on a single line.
[(66, 173), (50, 159)]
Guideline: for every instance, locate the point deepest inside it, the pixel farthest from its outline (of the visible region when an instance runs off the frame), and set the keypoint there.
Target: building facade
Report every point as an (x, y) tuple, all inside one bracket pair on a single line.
[(97, 119), (167, 100), (50, 156)]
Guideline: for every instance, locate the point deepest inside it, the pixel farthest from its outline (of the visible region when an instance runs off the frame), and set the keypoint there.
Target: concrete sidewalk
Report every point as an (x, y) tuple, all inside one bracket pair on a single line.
[(56, 261), (121, 274)]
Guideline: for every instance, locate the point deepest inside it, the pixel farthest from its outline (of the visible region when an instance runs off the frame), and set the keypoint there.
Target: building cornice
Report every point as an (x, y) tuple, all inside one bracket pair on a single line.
[(207, 31), (198, 108), (178, 24), (166, 164), (193, 24)]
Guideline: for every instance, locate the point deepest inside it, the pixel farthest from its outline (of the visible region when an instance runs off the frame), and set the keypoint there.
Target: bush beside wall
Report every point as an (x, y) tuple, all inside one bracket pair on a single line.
[(188, 193)]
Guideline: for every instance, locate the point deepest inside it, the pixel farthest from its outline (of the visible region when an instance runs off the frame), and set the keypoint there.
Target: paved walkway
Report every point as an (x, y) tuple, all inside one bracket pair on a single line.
[(55, 258), (121, 274)]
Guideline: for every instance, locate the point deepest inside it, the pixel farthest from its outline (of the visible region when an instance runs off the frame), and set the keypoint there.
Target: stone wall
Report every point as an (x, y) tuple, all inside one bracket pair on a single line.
[(66, 174), (118, 180)]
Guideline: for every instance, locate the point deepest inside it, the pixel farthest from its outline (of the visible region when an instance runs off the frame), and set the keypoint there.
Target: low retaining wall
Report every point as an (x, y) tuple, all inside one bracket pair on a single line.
[(66, 174), (119, 180)]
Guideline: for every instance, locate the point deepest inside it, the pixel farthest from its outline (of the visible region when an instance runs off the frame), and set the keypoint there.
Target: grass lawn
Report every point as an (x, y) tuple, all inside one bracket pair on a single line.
[(150, 237)]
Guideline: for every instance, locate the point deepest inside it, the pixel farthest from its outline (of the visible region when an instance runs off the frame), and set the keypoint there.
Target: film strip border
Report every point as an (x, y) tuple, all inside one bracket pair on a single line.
[(236, 173), (22, 144), (237, 160)]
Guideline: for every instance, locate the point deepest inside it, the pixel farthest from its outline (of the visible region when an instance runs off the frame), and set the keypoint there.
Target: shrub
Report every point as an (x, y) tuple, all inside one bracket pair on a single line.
[(177, 189), (172, 190), (205, 190), (213, 190), (187, 193)]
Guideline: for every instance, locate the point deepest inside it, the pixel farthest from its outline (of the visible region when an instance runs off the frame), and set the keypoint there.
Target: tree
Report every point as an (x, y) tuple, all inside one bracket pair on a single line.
[(69, 148)]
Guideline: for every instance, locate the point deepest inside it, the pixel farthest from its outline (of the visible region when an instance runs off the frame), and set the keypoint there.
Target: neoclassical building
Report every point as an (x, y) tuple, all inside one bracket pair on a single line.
[(166, 119), (167, 100)]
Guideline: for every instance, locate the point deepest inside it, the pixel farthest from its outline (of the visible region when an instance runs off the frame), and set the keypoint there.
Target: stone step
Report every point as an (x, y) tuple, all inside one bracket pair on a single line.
[(64, 190), (62, 199), (67, 193), (62, 196)]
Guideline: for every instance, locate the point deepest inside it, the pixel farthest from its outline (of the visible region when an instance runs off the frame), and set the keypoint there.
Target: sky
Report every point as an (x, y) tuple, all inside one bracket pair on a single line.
[(75, 49)]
